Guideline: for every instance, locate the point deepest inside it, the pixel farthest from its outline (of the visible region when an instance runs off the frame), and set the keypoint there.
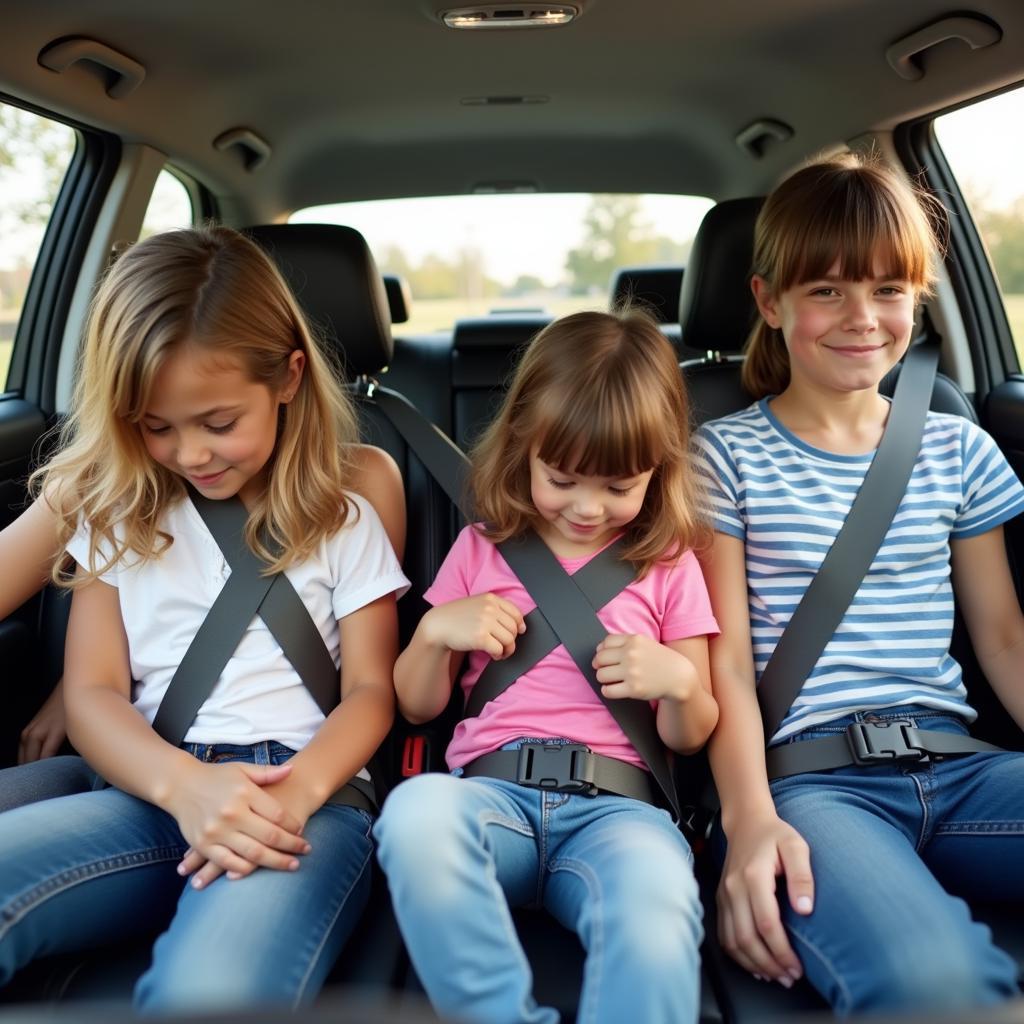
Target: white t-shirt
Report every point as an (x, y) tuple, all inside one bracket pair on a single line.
[(259, 696)]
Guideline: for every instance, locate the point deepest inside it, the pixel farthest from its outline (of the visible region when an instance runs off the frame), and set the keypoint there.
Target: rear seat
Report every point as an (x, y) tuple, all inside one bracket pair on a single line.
[(485, 350)]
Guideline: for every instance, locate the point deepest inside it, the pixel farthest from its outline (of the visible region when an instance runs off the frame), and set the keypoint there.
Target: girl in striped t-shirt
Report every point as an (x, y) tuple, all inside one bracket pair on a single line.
[(874, 858)]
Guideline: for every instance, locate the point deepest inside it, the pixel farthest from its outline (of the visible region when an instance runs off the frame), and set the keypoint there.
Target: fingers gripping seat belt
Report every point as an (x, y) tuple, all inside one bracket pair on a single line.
[(566, 614), (833, 588), (248, 592), (573, 620)]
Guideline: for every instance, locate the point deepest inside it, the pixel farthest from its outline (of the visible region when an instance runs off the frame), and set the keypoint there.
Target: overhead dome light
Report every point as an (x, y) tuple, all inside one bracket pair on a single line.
[(502, 16)]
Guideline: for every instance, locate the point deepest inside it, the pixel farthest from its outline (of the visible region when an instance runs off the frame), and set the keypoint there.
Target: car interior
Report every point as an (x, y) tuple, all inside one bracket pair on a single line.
[(257, 115)]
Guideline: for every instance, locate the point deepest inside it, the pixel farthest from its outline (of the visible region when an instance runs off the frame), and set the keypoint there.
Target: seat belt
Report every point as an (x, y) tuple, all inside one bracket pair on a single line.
[(826, 600), (248, 592), (443, 459), (565, 612), (603, 577), (574, 621)]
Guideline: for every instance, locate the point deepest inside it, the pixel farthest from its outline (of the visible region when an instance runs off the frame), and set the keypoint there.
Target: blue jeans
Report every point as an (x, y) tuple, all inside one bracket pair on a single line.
[(894, 852), (458, 853), (43, 780), (100, 867)]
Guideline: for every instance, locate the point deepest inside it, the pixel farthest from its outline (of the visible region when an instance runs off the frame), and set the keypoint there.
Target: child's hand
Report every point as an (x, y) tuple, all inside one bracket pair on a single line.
[(43, 736), (749, 922), (484, 622), (640, 667), (293, 798), (232, 821)]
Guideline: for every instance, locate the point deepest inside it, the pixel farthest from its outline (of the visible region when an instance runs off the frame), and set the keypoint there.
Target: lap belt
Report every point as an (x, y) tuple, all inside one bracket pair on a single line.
[(564, 768), (870, 744), (248, 592)]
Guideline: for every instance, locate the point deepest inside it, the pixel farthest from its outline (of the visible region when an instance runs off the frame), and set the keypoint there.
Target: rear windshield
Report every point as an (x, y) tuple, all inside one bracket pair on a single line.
[(474, 255)]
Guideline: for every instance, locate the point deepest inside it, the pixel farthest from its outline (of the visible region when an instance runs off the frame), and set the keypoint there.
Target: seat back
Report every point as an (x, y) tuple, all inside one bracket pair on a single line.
[(484, 353), (333, 275)]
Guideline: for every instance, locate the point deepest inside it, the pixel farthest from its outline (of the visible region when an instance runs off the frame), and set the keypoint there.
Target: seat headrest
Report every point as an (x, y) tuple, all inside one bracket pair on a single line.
[(716, 307), (399, 297), (496, 332), (655, 288), (332, 273)]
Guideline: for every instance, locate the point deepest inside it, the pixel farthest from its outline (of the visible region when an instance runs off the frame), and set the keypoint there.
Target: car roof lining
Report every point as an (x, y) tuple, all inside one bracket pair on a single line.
[(362, 101)]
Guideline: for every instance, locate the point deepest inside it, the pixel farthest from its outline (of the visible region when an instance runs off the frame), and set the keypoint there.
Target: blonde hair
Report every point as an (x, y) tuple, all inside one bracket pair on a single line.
[(599, 394), (849, 208), (215, 290)]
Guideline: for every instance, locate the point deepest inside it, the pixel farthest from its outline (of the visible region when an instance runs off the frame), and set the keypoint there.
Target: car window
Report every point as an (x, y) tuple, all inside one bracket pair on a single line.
[(474, 255), (170, 206), (983, 147), (35, 153)]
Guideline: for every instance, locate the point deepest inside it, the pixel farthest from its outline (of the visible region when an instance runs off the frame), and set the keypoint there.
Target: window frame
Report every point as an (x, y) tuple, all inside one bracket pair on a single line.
[(39, 333), (976, 288)]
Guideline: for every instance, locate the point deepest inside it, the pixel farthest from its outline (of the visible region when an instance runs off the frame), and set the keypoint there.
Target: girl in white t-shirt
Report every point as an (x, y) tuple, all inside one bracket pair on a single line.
[(590, 445), (198, 368)]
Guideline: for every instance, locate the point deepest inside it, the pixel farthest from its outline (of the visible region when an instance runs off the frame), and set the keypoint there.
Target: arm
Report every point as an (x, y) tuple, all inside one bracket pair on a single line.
[(379, 480), (674, 674), (220, 809), (28, 547), (427, 668), (985, 592), (45, 733), (761, 845)]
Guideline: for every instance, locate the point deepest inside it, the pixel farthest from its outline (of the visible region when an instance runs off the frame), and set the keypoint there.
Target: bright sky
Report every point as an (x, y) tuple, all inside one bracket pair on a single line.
[(984, 146)]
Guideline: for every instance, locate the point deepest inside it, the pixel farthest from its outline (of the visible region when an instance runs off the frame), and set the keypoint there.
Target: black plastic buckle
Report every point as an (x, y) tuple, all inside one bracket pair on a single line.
[(562, 768), (884, 742)]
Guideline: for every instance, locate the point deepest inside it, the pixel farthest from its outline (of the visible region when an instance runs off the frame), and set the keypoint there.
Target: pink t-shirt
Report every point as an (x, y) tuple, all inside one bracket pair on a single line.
[(553, 699)]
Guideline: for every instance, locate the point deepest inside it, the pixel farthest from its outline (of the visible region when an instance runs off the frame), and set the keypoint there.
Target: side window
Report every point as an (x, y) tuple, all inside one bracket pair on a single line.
[(170, 206), (982, 147), (35, 153)]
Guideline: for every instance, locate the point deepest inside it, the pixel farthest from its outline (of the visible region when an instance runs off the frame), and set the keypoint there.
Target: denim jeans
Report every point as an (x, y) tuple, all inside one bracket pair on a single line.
[(98, 867), (458, 853), (895, 850), (43, 780)]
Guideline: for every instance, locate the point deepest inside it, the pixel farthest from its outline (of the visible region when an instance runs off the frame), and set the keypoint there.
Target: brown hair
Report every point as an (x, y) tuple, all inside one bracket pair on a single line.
[(214, 289), (852, 208), (601, 394)]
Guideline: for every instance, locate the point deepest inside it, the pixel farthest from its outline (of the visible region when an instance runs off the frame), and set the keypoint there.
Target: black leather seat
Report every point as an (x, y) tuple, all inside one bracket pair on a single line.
[(485, 351), (332, 272), (655, 289)]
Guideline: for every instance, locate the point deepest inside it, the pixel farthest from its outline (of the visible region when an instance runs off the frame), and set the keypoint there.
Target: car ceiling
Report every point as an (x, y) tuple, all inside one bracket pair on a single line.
[(363, 99)]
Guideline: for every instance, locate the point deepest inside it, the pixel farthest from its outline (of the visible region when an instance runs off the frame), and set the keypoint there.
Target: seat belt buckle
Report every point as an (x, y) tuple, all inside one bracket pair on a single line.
[(415, 755), (890, 742), (560, 768)]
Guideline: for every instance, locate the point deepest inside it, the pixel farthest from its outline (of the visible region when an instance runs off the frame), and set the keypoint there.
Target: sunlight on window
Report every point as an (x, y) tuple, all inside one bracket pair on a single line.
[(34, 157), (170, 206), (983, 145), (472, 255)]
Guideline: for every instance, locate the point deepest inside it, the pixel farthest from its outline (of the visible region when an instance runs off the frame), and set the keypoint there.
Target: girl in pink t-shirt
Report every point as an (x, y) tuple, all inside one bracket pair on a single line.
[(549, 803)]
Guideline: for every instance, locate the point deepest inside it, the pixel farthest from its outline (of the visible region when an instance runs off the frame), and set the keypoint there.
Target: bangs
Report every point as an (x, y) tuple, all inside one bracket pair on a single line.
[(853, 222), (615, 434)]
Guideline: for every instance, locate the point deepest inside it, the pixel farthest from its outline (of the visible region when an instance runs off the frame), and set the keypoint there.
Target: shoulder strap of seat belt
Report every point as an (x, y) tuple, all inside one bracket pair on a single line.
[(246, 593), (441, 457), (602, 578), (574, 620), (828, 597)]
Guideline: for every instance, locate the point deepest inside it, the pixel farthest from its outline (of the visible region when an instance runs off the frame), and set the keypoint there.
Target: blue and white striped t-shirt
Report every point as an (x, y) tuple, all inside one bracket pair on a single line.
[(787, 501)]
